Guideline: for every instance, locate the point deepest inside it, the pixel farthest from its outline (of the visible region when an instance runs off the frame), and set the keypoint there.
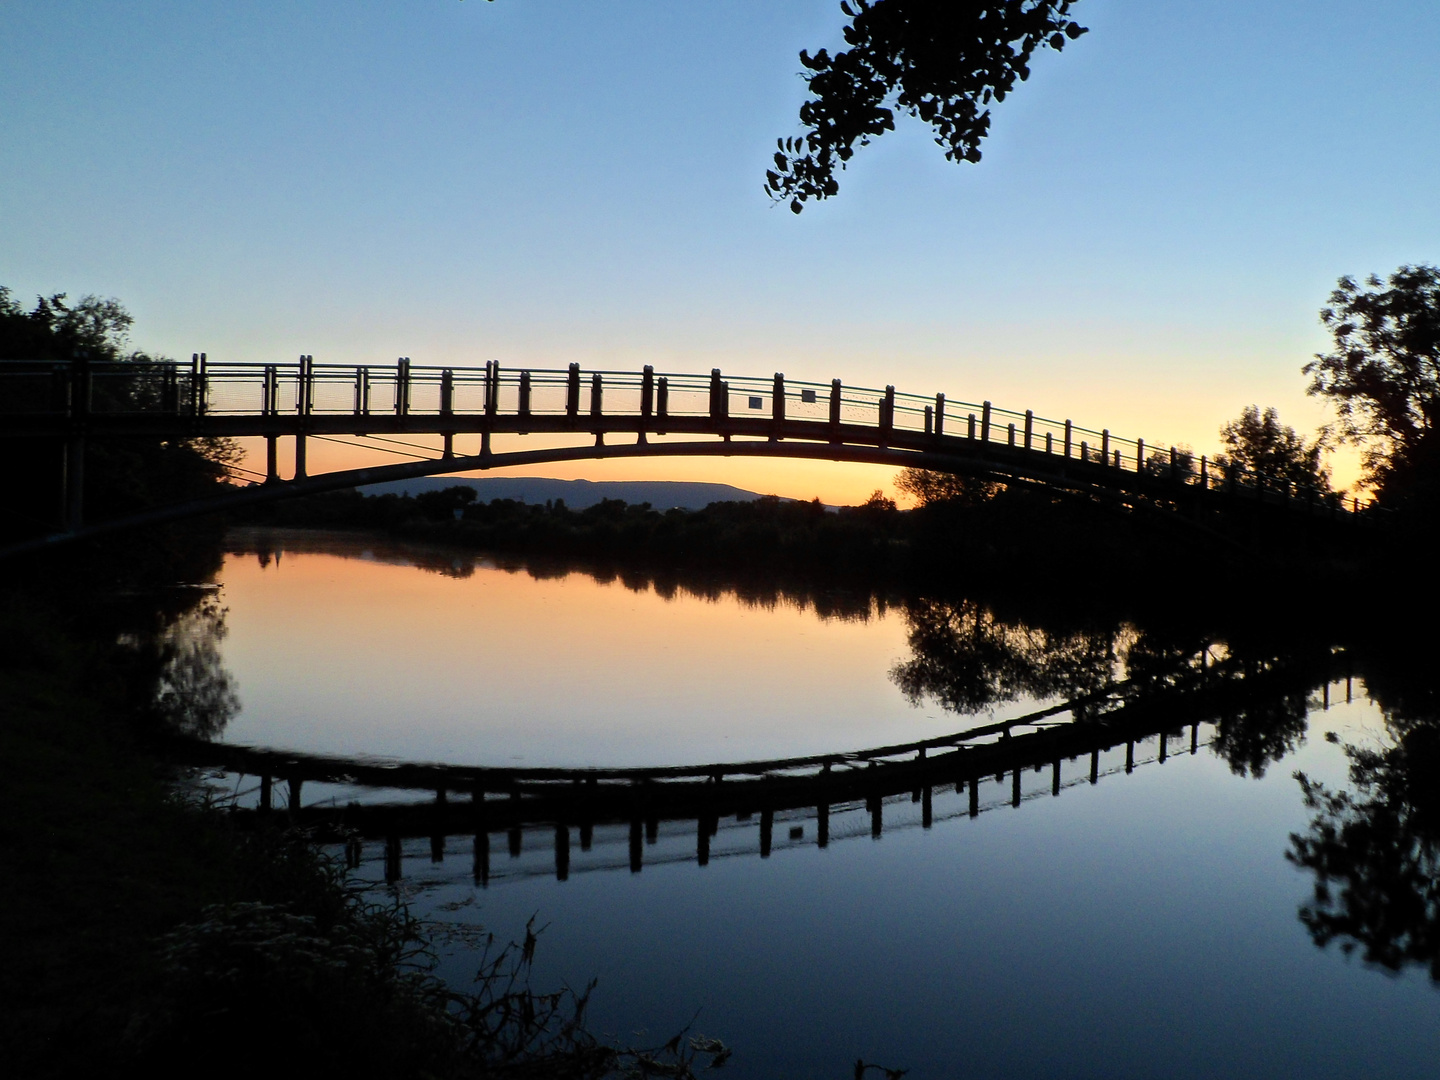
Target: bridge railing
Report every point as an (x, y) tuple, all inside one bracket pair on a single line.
[(305, 387)]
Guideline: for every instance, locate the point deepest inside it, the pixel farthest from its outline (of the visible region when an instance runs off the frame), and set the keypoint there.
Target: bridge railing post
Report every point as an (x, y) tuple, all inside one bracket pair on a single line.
[(647, 398), (1139, 455), (523, 408), (662, 404), (572, 391), (492, 388), (402, 386), (970, 428), (939, 415), (597, 393), (1029, 427), (1069, 432), (929, 420), (719, 398), (1105, 446), (985, 422), (835, 402), (777, 406), (447, 409), (887, 416), (362, 391), (1010, 435)]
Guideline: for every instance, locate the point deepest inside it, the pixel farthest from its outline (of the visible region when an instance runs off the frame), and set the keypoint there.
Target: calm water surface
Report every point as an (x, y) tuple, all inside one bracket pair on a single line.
[(1142, 926)]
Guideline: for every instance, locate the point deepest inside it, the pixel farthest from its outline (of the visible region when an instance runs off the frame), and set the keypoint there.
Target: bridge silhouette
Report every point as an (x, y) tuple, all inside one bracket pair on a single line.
[(655, 414), (476, 802)]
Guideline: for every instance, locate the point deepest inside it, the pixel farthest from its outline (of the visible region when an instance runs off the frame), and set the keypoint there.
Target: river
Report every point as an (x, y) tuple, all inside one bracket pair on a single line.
[(1141, 923)]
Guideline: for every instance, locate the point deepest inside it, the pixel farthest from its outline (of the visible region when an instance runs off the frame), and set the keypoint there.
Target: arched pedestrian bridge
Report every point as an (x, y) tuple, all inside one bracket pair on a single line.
[(577, 415)]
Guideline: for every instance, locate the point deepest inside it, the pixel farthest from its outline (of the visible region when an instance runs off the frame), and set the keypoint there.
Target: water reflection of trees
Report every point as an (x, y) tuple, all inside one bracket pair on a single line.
[(966, 657), (1375, 850), (194, 694)]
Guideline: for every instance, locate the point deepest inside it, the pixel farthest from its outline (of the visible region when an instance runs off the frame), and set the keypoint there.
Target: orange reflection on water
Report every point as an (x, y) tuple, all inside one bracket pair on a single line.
[(339, 651)]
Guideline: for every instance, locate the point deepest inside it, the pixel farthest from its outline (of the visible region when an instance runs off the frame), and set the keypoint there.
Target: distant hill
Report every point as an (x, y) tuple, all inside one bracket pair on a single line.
[(578, 494)]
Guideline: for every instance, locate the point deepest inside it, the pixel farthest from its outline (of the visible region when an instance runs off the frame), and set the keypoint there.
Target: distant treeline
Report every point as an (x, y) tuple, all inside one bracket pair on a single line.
[(1023, 538)]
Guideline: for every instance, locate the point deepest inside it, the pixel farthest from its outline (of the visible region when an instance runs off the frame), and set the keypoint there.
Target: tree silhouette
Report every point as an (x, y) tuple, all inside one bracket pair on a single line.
[(1258, 443), (942, 62), (1383, 376)]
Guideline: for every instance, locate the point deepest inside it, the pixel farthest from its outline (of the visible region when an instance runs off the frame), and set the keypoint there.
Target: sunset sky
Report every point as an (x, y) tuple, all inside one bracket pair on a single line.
[(1160, 212)]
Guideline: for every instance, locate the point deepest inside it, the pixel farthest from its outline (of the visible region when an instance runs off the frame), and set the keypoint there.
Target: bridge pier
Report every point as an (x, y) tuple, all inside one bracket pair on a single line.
[(481, 869), (562, 851), (392, 858)]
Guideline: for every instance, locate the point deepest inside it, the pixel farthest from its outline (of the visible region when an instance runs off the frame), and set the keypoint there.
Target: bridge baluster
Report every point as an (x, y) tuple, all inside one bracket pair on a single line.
[(719, 398), (362, 391), (597, 391), (985, 422), (970, 434), (777, 406), (402, 386), (929, 419), (447, 408), (302, 406), (1049, 442), (1011, 435), (572, 391), (1029, 427), (647, 399)]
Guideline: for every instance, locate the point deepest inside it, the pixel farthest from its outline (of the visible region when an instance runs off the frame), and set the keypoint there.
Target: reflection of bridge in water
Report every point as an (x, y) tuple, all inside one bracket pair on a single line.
[(1003, 763), (660, 414)]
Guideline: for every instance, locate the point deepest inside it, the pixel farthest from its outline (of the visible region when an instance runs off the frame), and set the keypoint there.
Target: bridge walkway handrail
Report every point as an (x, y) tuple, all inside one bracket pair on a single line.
[(473, 396)]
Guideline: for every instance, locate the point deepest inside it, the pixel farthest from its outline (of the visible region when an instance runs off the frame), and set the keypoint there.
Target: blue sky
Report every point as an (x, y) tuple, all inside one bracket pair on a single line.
[(1160, 212)]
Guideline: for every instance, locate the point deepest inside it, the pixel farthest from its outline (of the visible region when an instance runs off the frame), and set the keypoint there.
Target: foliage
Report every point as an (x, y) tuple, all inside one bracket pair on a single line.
[(353, 993), (928, 488), (1383, 376), (121, 475), (1257, 442), (941, 62)]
